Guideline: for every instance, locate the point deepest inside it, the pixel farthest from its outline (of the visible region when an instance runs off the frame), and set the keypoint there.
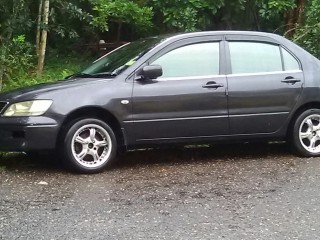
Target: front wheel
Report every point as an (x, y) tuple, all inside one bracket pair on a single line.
[(89, 146), (306, 133)]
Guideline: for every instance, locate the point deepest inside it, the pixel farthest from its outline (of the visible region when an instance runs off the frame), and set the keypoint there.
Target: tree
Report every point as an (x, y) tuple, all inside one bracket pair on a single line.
[(182, 15), (307, 33), (44, 33), (120, 11), (39, 21), (294, 17), (14, 20), (20, 20)]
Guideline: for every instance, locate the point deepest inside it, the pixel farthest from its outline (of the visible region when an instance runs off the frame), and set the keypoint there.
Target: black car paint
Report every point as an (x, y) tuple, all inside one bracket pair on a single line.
[(169, 111)]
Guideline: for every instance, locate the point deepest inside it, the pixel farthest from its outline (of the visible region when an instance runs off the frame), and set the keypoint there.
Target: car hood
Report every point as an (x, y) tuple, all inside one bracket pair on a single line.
[(47, 87)]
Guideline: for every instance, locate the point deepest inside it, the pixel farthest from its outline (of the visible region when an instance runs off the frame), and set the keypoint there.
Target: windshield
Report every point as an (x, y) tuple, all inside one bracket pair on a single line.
[(116, 62)]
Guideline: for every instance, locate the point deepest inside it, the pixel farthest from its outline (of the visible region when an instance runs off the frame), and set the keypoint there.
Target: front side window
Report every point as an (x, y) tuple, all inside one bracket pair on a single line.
[(254, 57), (200, 59)]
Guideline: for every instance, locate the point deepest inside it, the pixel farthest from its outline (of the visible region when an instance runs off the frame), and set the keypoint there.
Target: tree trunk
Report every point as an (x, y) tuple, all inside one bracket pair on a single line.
[(1, 77), (119, 31), (2, 65), (44, 34), (294, 18), (300, 11), (255, 13), (39, 27)]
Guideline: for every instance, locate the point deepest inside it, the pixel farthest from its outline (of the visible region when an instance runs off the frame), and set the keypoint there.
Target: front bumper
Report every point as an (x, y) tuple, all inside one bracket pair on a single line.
[(28, 133)]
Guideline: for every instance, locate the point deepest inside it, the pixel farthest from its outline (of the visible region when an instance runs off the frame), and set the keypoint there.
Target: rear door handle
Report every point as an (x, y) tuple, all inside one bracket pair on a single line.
[(291, 80), (213, 85)]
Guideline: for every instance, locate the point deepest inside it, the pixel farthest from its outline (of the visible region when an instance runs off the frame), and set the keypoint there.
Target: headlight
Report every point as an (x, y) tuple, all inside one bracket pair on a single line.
[(29, 108)]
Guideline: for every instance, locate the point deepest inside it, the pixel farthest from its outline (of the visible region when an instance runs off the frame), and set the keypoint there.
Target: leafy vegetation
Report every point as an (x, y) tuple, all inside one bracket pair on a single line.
[(308, 33), (58, 69), (119, 12), (10, 64), (184, 15), (31, 28)]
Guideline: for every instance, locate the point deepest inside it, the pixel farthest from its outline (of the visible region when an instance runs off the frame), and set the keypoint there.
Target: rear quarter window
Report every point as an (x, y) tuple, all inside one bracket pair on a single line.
[(289, 61)]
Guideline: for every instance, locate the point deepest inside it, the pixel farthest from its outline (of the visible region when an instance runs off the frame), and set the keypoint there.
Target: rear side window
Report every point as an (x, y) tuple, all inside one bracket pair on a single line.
[(201, 59), (289, 61), (254, 57)]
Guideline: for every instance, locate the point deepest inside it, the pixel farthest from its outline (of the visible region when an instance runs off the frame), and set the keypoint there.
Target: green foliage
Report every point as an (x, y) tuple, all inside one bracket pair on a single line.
[(15, 57), (66, 16), (187, 15), (120, 11), (15, 18), (308, 35), (272, 8), (57, 68), (74, 22)]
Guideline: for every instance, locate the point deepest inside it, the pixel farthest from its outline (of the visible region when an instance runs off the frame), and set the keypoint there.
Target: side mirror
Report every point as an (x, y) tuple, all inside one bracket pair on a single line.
[(152, 72)]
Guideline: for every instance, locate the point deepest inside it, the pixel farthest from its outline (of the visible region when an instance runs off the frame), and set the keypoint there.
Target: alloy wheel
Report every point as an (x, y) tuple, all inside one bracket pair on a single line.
[(309, 133), (91, 146)]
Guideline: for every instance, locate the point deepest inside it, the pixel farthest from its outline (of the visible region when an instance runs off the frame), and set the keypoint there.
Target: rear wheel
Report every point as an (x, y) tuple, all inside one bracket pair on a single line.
[(89, 146), (306, 133)]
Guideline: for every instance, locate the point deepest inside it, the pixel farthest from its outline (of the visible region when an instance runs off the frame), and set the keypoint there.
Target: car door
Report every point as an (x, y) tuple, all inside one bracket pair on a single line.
[(264, 84), (189, 100)]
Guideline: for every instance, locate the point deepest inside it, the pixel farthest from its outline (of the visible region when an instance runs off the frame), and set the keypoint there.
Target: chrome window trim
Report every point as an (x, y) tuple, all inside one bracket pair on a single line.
[(207, 117), (257, 114), (263, 73), (176, 119), (228, 75), (189, 78)]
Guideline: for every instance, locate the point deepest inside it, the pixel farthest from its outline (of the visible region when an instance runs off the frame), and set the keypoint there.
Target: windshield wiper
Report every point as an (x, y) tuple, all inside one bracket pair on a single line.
[(79, 74), (86, 75), (104, 74)]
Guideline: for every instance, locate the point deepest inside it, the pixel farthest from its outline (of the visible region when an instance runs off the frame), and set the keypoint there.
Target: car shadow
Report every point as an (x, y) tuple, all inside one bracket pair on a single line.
[(203, 153), (171, 156), (23, 162)]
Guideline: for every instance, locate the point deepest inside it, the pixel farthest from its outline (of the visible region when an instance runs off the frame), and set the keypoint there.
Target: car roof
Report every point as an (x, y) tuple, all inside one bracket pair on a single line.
[(214, 33)]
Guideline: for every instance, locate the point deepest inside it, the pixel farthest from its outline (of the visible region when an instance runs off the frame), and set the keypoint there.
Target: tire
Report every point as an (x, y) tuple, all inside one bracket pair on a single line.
[(306, 133), (89, 146)]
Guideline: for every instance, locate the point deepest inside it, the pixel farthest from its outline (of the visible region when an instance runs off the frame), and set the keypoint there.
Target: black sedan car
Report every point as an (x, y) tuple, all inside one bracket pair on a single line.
[(186, 88)]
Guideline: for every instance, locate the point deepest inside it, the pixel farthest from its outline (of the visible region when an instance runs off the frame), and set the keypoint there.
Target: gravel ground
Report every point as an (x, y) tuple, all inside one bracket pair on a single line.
[(250, 191)]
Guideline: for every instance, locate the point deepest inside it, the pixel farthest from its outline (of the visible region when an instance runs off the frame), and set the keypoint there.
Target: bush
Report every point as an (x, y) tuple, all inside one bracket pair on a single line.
[(17, 65), (57, 68), (16, 58)]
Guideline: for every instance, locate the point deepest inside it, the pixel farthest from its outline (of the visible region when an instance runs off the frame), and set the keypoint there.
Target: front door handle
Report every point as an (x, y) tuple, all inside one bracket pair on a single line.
[(213, 85), (291, 80)]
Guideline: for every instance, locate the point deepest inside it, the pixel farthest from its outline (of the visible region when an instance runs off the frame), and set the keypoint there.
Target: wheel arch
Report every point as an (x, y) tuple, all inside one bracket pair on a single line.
[(298, 112), (94, 112)]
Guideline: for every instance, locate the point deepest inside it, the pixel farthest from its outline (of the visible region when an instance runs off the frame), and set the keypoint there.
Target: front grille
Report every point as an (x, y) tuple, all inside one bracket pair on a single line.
[(2, 106)]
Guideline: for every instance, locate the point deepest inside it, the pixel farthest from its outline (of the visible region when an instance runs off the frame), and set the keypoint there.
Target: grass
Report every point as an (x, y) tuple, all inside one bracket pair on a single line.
[(56, 68)]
